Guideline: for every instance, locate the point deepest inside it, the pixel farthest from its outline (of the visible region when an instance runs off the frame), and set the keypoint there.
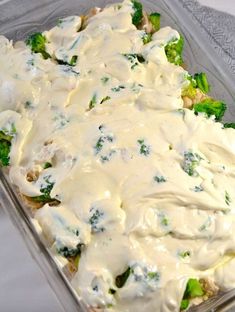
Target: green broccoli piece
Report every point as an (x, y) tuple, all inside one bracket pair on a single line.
[(5, 147), (70, 252), (155, 20), (210, 107), (202, 82), (138, 13), (190, 163), (193, 289), (122, 278), (46, 191), (174, 50), (37, 42), (146, 38), (229, 125), (198, 81), (72, 62), (190, 91), (47, 165)]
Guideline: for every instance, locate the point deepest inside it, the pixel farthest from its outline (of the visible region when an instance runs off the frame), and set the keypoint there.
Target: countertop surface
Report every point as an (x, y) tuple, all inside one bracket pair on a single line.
[(23, 287)]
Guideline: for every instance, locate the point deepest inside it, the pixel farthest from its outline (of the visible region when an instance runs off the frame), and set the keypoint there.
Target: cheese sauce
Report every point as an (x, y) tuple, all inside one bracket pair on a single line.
[(142, 182)]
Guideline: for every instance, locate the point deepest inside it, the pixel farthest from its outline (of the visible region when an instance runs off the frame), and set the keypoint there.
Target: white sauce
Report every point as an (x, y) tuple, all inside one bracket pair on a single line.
[(123, 159)]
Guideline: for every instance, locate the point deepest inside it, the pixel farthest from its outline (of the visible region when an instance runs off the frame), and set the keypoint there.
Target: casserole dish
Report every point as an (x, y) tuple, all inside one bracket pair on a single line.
[(215, 83)]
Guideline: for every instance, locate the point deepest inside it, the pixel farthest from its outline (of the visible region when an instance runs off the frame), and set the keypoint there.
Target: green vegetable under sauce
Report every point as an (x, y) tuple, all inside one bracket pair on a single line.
[(135, 59), (121, 279), (155, 20), (93, 102), (37, 42), (144, 149), (72, 62), (47, 165), (5, 148), (193, 289), (174, 50), (137, 16), (146, 38), (68, 252), (185, 254), (211, 108), (159, 179), (45, 190), (190, 163), (227, 198)]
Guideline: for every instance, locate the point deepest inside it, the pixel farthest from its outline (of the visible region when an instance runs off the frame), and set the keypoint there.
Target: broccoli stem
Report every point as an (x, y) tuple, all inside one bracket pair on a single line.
[(154, 19), (37, 42)]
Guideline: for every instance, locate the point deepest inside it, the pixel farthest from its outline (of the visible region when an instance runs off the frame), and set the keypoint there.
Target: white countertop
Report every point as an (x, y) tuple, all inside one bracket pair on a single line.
[(23, 288)]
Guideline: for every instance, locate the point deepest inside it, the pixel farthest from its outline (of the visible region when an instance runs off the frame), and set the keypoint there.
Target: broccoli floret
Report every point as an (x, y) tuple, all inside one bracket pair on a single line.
[(46, 191), (229, 125), (202, 83), (190, 90), (155, 20), (147, 38), (138, 13), (198, 81), (210, 107), (68, 252), (174, 50), (122, 278), (47, 165), (37, 42), (190, 163), (134, 59), (144, 149), (5, 147), (193, 289)]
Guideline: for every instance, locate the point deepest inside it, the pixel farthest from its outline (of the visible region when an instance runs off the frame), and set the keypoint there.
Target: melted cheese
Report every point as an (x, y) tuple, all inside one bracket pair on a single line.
[(120, 146)]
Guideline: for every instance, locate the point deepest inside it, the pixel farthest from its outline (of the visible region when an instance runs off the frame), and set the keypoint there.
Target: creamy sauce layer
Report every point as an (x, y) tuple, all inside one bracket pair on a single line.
[(142, 182)]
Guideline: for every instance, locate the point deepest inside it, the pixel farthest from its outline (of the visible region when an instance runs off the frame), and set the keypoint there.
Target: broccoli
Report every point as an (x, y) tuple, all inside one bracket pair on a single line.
[(72, 62), (37, 42), (198, 81), (45, 190), (121, 279), (159, 179), (101, 141), (47, 165), (68, 252), (5, 147), (193, 289), (134, 59), (229, 125), (191, 161), (146, 38), (144, 149), (174, 50), (190, 90), (95, 219), (137, 16), (202, 83), (92, 102), (210, 107), (155, 20)]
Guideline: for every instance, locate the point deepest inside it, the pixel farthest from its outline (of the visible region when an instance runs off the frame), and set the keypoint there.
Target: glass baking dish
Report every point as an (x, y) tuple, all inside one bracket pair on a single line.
[(20, 18)]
